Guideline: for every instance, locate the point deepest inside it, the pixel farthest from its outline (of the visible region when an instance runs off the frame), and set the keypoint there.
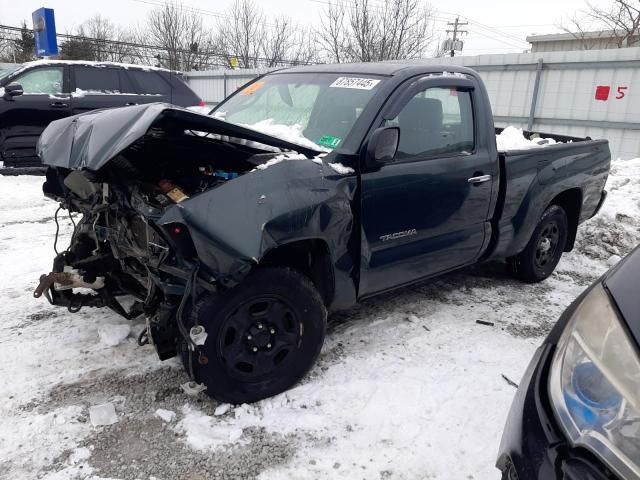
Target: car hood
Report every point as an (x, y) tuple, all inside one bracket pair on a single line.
[(622, 283), (90, 140)]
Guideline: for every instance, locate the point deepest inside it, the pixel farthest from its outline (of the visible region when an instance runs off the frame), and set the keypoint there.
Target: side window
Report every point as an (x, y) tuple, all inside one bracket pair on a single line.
[(436, 121), (42, 80), (97, 79), (126, 86), (150, 83)]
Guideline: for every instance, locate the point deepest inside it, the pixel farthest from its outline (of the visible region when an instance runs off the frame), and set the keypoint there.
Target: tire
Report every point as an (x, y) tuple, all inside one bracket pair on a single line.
[(263, 336), (543, 252)]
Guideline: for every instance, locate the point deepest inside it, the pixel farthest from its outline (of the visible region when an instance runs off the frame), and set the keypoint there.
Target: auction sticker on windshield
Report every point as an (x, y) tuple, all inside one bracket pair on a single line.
[(355, 82), (255, 86)]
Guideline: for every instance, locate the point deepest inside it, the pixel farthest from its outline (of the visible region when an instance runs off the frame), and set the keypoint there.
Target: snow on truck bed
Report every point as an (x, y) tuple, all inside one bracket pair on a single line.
[(408, 385)]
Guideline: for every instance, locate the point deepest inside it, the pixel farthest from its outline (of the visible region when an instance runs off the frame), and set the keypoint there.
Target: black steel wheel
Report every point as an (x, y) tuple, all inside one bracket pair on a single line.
[(259, 337), (262, 336), (543, 252)]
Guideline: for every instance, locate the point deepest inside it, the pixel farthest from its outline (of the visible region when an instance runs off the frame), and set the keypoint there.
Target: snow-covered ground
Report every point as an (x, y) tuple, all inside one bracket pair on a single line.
[(408, 385)]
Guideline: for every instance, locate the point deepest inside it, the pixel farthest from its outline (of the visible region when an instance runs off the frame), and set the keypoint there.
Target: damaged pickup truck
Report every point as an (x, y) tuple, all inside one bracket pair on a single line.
[(303, 193)]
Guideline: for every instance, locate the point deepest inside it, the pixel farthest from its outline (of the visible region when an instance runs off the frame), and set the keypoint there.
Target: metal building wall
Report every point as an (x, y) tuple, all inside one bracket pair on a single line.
[(567, 84), (213, 86)]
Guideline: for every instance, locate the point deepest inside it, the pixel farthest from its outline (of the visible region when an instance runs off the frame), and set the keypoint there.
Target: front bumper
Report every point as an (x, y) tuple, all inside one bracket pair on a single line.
[(533, 445)]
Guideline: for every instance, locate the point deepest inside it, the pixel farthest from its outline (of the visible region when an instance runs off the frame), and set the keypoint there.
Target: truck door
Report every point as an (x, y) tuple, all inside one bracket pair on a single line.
[(24, 117), (426, 211)]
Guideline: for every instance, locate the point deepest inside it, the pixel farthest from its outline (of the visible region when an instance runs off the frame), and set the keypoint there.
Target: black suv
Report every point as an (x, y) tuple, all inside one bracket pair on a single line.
[(36, 93)]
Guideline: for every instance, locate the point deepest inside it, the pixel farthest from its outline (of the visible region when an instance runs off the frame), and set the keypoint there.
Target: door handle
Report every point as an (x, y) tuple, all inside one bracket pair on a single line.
[(129, 104), (58, 105), (480, 179)]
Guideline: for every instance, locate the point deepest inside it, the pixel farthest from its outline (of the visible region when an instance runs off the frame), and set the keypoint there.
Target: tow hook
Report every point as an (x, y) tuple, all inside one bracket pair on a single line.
[(66, 280), (46, 281)]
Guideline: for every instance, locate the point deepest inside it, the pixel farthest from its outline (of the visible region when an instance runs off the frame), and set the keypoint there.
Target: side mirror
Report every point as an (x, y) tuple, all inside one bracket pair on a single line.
[(383, 146), (13, 90)]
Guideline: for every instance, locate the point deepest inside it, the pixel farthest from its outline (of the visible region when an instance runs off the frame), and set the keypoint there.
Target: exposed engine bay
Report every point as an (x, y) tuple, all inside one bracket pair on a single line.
[(118, 248)]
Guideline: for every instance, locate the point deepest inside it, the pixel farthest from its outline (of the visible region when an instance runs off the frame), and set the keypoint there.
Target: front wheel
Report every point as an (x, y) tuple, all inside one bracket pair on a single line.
[(263, 336), (541, 255)]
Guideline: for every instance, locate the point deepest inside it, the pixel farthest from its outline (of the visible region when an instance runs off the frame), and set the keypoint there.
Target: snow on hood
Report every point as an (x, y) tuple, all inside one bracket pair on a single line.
[(513, 138), (290, 133)]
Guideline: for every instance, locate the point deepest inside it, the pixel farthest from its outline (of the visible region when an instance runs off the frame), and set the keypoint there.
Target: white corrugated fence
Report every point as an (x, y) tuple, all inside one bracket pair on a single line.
[(593, 93)]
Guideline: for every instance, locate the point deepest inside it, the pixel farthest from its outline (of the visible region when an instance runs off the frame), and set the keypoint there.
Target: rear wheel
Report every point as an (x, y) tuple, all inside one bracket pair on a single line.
[(263, 336), (541, 255)]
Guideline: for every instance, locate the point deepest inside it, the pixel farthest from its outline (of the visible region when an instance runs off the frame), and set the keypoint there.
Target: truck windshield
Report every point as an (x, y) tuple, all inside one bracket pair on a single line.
[(307, 109)]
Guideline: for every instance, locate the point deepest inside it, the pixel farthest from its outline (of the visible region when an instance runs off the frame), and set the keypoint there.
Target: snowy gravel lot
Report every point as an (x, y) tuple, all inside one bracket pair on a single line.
[(408, 385)]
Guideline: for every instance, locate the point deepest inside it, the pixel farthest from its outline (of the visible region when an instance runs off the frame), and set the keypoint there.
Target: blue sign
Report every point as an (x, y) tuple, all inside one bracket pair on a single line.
[(44, 29)]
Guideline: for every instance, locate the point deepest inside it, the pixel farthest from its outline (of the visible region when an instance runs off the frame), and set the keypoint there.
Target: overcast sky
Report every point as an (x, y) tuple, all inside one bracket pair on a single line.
[(494, 27)]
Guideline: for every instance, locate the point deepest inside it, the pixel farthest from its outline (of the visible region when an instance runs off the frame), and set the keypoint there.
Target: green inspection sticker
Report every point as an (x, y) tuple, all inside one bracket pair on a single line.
[(329, 141)]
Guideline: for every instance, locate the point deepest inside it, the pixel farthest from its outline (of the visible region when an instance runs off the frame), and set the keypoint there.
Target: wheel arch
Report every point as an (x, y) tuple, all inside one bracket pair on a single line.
[(571, 202), (311, 257)]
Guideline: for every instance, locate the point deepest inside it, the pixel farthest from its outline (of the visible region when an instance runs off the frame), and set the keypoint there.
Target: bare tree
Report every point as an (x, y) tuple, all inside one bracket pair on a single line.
[(333, 33), (621, 20), (109, 42), (242, 33), (182, 40), (249, 36), (368, 31), (285, 42)]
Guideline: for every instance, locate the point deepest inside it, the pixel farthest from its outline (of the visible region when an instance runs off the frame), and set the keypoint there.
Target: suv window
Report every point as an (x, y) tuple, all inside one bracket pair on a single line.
[(150, 83), (436, 121), (42, 80), (97, 79)]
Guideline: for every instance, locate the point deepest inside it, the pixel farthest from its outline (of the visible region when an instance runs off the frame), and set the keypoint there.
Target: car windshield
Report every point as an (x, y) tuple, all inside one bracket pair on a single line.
[(5, 71), (308, 109)]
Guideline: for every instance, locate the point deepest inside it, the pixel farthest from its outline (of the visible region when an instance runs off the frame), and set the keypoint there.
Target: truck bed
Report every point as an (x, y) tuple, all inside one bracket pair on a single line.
[(531, 178), (533, 134)]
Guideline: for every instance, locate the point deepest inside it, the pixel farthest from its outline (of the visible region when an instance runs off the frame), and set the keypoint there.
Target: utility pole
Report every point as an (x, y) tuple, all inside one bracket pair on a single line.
[(455, 32)]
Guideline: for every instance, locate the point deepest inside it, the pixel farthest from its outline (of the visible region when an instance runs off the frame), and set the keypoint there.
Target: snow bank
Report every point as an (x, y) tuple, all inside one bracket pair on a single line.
[(512, 138), (616, 229)]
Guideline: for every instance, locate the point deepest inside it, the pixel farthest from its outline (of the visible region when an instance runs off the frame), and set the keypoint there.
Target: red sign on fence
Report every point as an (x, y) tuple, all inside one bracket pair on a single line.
[(602, 92)]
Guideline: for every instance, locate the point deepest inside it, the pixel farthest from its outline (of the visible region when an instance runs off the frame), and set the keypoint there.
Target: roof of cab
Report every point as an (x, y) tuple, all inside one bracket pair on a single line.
[(378, 68)]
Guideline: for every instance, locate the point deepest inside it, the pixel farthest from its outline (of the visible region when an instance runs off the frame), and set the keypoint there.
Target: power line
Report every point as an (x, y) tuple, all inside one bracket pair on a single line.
[(160, 48)]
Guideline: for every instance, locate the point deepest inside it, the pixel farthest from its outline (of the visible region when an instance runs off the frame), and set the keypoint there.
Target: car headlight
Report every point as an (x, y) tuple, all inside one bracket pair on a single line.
[(595, 384)]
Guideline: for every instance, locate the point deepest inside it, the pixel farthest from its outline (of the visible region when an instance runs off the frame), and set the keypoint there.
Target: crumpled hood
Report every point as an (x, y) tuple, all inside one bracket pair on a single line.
[(92, 139)]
